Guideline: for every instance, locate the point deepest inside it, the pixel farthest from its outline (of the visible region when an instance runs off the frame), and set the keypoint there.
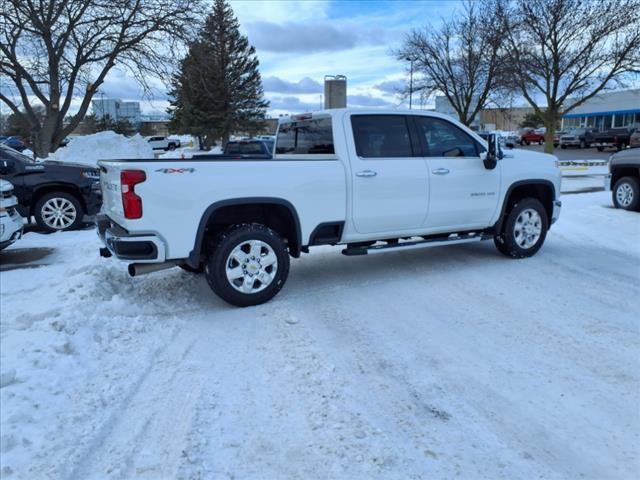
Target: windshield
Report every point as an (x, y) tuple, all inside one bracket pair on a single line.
[(9, 153)]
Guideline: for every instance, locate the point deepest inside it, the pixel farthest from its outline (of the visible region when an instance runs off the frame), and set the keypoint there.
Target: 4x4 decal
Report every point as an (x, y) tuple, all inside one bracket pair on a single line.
[(176, 170)]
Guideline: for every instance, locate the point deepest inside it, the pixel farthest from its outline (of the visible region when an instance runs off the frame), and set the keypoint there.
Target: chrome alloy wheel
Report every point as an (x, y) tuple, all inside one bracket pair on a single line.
[(58, 213), (528, 228), (624, 194), (251, 266)]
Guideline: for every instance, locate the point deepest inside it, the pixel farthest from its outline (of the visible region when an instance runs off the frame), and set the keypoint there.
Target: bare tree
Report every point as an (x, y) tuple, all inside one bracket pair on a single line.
[(56, 53), (461, 58), (566, 51)]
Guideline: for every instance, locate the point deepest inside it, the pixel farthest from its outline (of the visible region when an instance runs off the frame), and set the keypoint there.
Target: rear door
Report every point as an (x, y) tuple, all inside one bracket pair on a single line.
[(389, 178), (463, 193)]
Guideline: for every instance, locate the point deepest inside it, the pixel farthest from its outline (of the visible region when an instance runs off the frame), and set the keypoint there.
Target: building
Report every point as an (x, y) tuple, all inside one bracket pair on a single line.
[(444, 106), (117, 110), (606, 110), (505, 119), (335, 91)]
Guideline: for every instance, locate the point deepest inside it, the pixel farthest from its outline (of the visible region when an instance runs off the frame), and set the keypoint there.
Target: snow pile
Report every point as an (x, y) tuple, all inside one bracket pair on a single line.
[(189, 152), (102, 146)]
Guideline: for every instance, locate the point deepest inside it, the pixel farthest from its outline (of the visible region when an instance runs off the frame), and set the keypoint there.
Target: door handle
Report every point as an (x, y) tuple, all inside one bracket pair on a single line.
[(440, 171), (366, 173)]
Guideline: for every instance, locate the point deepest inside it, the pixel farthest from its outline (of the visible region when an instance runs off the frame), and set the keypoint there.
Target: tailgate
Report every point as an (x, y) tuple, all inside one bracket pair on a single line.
[(111, 190)]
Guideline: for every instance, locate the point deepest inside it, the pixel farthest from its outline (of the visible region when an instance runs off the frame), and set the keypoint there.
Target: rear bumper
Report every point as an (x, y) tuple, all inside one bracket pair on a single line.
[(557, 206), (141, 248)]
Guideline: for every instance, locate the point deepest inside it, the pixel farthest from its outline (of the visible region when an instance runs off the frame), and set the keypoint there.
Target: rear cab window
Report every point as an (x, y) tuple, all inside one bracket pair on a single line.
[(305, 136), (381, 136)]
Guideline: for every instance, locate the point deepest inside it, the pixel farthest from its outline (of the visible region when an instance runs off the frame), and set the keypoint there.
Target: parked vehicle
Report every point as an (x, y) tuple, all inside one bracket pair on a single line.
[(578, 137), (634, 139), (624, 179), (57, 194), (10, 220), (617, 138), (164, 143), (531, 136), (371, 180), (249, 147), (17, 143), (556, 137)]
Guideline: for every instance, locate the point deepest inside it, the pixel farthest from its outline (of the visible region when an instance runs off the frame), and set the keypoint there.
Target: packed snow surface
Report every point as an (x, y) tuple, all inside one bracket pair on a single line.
[(441, 363), (108, 145)]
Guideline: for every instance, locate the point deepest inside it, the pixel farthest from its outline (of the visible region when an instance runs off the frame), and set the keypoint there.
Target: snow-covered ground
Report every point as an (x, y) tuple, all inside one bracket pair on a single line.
[(440, 363)]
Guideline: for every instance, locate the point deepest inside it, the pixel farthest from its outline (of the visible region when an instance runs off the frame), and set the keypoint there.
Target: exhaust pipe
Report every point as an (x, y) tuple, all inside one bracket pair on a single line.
[(137, 269)]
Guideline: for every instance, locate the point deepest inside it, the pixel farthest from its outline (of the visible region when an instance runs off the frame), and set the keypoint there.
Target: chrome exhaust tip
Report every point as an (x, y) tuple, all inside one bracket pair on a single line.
[(137, 269)]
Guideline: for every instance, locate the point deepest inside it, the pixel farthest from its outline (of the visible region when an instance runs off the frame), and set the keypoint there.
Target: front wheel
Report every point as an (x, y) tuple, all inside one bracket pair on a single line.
[(247, 264), (626, 193), (525, 229)]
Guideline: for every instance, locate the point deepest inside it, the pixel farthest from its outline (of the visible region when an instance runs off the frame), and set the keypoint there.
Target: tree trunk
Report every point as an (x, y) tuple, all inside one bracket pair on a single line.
[(550, 123)]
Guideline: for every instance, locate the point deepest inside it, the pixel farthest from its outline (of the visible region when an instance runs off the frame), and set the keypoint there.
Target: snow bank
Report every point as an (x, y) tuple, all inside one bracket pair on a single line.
[(189, 152), (102, 146)]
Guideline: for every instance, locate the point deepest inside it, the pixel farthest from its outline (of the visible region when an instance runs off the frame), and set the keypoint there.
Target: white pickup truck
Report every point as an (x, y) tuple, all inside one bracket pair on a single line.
[(373, 181)]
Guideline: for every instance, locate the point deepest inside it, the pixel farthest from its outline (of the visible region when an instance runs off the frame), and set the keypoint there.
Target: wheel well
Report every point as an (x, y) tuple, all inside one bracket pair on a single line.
[(278, 216), (618, 173), (541, 191), (42, 191)]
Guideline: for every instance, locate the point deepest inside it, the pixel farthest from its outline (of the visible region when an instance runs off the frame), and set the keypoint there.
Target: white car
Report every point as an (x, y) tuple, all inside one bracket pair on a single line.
[(11, 222), (372, 180), (163, 143)]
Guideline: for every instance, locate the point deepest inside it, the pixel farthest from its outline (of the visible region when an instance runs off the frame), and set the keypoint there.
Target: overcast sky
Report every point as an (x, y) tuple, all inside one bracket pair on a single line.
[(298, 42)]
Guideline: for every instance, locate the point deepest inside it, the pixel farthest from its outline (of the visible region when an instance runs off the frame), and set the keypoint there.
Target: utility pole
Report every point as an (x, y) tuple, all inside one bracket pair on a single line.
[(410, 60)]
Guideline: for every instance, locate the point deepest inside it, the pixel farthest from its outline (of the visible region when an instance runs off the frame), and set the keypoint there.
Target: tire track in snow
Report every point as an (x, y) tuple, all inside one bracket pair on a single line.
[(144, 435)]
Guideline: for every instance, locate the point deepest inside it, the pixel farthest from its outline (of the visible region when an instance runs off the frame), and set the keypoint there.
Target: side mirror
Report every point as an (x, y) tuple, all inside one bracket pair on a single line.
[(494, 152)]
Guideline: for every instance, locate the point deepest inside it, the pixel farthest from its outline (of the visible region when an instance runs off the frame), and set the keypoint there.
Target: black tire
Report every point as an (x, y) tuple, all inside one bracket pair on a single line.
[(218, 256), (62, 198), (600, 149), (540, 142), (172, 146), (508, 244), (527, 143), (582, 144), (563, 147), (631, 185)]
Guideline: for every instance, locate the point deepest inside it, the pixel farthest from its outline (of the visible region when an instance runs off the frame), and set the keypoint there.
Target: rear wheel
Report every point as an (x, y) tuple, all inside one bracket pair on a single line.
[(626, 193), (525, 229), (247, 264), (58, 211)]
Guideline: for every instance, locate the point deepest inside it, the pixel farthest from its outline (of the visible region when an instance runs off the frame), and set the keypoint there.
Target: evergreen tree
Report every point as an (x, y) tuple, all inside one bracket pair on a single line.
[(218, 89)]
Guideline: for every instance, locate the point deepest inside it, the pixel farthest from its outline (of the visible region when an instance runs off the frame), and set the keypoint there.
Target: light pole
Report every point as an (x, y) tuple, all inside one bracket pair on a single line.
[(410, 60)]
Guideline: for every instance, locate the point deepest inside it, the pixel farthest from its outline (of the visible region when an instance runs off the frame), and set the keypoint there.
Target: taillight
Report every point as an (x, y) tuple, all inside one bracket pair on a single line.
[(131, 202)]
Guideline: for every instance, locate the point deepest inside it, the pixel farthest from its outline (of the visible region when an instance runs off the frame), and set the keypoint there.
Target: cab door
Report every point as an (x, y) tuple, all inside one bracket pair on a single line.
[(463, 194), (389, 180)]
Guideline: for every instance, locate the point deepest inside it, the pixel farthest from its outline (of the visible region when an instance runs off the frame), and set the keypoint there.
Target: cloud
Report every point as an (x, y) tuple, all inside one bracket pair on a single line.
[(291, 103), (306, 85), (391, 86), (366, 101), (299, 37)]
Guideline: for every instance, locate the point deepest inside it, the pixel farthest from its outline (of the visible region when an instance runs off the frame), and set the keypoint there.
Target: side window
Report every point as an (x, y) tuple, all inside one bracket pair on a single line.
[(443, 139), (381, 136), (306, 137), (232, 148)]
